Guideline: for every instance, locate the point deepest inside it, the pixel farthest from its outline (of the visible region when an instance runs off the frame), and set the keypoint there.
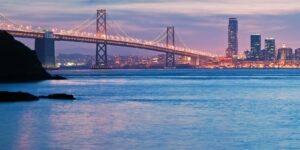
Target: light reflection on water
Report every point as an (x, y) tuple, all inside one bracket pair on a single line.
[(26, 131), (154, 112)]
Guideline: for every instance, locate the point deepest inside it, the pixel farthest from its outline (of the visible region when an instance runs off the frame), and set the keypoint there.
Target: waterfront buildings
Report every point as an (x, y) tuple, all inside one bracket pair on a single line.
[(258, 56), (257, 53), (232, 49), (297, 54), (285, 53), (267, 57)]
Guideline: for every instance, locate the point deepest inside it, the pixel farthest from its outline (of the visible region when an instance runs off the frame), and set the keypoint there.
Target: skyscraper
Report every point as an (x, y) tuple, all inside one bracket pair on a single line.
[(270, 48), (232, 49), (270, 44), (255, 46)]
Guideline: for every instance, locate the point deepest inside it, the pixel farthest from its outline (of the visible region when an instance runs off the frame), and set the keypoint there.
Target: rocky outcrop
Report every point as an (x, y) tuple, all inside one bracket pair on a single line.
[(59, 96), (18, 63), (6, 96), (16, 97)]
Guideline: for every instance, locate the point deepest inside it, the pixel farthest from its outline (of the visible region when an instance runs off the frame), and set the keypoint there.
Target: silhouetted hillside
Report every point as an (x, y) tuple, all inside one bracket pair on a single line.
[(18, 63)]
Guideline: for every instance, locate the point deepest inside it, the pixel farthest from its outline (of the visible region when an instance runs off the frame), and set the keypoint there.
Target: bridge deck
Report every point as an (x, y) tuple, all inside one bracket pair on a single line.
[(115, 42)]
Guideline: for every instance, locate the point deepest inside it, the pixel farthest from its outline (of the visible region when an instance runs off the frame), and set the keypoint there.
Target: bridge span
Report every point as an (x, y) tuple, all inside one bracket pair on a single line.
[(44, 43)]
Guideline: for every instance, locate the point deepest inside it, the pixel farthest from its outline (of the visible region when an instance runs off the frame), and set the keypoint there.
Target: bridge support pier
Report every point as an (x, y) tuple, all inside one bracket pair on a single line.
[(45, 50), (101, 48), (170, 41), (101, 56), (170, 60), (195, 61)]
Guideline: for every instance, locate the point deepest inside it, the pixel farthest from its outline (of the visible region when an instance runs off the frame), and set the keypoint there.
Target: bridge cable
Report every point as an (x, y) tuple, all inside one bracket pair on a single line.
[(85, 26), (7, 20), (181, 41), (85, 23), (160, 37), (111, 30), (110, 19)]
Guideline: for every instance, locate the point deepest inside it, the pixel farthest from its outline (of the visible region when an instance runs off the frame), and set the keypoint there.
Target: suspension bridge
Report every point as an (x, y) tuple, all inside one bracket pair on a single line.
[(107, 33)]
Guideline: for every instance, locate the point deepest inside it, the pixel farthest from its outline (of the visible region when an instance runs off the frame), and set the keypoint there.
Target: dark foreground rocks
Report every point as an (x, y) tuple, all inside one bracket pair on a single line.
[(18, 63), (59, 96), (16, 97), (6, 96)]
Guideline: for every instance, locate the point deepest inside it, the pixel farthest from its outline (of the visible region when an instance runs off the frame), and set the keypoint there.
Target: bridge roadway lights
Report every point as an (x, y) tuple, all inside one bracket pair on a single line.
[(45, 50)]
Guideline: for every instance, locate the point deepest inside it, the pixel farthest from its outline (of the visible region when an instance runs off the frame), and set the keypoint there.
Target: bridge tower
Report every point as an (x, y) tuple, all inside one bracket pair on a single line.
[(101, 48), (170, 56)]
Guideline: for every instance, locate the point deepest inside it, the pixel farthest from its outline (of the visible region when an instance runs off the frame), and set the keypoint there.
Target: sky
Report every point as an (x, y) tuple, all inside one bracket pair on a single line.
[(201, 24)]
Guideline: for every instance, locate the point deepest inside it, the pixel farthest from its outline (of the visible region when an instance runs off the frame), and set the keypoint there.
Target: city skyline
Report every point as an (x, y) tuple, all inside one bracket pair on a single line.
[(203, 25)]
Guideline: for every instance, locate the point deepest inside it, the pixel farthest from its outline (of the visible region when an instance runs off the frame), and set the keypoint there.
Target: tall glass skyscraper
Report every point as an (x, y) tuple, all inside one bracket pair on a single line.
[(255, 46), (232, 49), (270, 44), (270, 47)]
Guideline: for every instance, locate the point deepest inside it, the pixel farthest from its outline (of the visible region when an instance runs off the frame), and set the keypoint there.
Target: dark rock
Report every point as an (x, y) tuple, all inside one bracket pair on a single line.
[(59, 96), (18, 63), (16, 97)]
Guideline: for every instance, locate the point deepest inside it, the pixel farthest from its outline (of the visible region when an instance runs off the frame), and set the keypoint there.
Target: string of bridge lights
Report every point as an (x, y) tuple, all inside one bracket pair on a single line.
[(6, 24)]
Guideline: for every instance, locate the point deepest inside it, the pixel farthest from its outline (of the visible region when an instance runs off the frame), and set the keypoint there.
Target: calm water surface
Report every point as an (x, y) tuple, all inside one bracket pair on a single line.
[(157, 109)]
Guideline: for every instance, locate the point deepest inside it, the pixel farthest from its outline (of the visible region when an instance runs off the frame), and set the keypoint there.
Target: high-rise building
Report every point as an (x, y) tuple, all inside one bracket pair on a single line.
[(297, 54), (270, 49), (232, 49), (255, 46), (285, 53), (270, 44)]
